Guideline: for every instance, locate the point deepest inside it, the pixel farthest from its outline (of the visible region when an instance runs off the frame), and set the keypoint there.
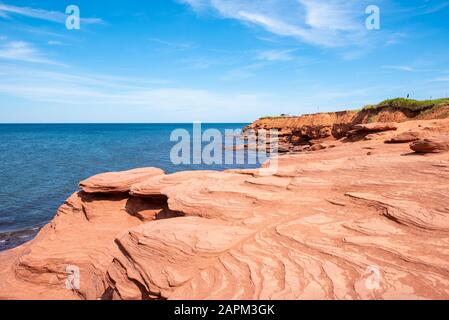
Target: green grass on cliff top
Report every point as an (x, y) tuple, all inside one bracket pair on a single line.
[(414, 105), (278, 117)]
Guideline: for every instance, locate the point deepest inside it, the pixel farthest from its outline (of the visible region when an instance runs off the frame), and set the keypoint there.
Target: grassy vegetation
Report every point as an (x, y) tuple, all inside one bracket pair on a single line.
[(276, 117), (414, 105), (420, 106)]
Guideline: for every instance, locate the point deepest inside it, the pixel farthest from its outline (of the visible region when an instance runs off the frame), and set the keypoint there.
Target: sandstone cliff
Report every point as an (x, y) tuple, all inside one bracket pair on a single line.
[(299, 133), (366, 219)]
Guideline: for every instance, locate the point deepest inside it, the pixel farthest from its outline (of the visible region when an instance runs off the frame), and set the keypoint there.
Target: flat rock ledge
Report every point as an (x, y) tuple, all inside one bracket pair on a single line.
[(117, 182)]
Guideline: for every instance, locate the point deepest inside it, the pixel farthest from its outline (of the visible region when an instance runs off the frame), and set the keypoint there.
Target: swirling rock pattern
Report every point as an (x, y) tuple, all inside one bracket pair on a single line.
[(362, 220)]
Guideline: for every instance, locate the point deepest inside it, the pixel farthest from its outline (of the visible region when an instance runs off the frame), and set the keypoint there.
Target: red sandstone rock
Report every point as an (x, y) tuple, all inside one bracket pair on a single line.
[(113, 182), (283, 148), (317, 147), (404, 137), (377, 126), (433, 145), (301, 148), (314, 229), (82, 234), (373, 136)]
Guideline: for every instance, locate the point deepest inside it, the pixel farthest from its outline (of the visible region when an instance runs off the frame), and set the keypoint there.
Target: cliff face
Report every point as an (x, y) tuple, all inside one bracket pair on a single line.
[(350, 118), (307, 130), (314, 126), (362, 220)]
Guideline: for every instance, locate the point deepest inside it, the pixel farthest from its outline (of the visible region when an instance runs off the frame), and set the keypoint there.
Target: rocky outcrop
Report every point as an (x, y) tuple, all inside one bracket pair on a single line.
[(360, 220), (376, 127), (370, 131), (408, 136), (117, 182), (435, 145), (296, 134)]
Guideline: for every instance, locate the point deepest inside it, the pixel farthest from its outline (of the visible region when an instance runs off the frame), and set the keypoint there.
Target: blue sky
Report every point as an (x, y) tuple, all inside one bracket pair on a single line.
[(215, 60)]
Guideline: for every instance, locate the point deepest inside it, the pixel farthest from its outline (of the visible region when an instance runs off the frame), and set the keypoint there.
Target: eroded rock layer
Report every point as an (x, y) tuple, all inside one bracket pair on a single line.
[(313, 131), (362, 220)]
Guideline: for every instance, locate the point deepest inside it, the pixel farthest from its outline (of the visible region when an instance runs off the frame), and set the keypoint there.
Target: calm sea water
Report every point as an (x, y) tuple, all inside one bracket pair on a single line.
[(41, 165)]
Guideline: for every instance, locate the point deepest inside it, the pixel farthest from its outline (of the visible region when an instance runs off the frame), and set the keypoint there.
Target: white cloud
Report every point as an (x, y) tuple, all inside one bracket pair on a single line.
[(172, 44), (54, 16), (243, 72), (400, 68), (441, 79), (23, 51), (276, 55), (433, 8), (166, 46), (330, 15), (419, 67), (328, 23), (103, 92), (55, 43)]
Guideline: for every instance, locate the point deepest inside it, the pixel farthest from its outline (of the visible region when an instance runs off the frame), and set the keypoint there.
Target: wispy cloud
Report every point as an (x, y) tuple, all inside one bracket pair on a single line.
[(400, 68), (423, 7), (243, 72), (329, 23), (24, 51), (440, 79), (432, 7), (419, 66), (276, 55), (395, 38), (331, 15), (3, 15), (197, 63), (105, 91), (41, 14), (55, 43), (172, 46)]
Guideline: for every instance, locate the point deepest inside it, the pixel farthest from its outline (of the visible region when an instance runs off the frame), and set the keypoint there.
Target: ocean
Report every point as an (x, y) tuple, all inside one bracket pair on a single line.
[(42, 164)]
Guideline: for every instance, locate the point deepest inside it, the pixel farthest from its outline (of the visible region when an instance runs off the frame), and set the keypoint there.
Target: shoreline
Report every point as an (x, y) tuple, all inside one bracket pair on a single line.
[(341, 209), (33, 148)]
